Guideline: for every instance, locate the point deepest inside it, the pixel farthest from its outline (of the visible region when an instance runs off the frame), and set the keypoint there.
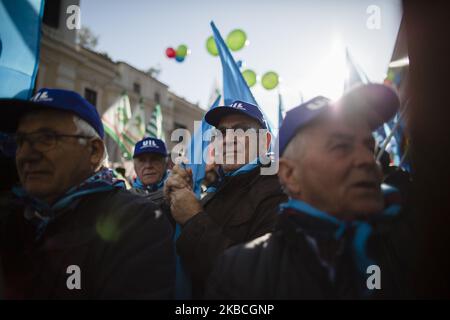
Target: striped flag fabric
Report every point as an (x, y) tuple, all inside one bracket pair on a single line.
[(154, 127), (135, 129), (115, 120)]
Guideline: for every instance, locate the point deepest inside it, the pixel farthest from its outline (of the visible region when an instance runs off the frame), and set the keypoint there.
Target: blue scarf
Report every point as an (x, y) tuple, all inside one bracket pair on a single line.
[(361, 230), (40, 214), (242, 170), (151, 187)]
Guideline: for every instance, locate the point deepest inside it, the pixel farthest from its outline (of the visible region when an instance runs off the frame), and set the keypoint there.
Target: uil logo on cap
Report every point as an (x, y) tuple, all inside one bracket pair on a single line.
[(149, 144), (317, 103), (238, 105), (41, 96)]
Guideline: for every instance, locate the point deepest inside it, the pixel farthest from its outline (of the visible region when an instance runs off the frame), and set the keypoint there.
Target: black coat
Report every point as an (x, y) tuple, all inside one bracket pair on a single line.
[(242, 209), (158, 198), (286, 265), (121, 243)]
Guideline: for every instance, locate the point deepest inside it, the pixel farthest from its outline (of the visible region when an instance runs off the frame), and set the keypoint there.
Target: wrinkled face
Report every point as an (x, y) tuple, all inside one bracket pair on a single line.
[(150, 167), (240, 147), (335, 170), (48, 174)]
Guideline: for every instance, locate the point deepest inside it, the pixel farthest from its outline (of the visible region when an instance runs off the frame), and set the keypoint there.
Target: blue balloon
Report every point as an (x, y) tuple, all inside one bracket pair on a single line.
[(397, 79), (179, 59)]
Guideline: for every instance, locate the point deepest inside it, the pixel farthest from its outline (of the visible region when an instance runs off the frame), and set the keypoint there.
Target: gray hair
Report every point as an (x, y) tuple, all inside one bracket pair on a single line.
[(85, 129), (296, 148)]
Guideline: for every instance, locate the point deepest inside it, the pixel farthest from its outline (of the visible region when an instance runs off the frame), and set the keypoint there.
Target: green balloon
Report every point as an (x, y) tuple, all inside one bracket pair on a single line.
[(270, 80), (211, 46), (236, 39), (250, 77), (391, 75), (182, 51)]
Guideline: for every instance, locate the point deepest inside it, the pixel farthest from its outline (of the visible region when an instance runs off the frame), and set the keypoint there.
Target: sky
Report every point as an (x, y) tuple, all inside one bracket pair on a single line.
[(303, 41)]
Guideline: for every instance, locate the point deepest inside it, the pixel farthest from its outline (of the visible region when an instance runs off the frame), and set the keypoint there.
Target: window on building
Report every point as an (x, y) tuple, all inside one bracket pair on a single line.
[(157, 97), (91, 96), (137, 88), (52, 10)]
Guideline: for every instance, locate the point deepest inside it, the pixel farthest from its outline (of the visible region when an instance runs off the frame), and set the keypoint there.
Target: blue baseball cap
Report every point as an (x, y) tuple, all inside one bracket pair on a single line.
[(150, 145), (213, 116), (11, 110), (378, 103)]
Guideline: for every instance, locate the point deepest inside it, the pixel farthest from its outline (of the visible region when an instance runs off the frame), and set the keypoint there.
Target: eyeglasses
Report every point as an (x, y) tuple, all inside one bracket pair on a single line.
[(43, 141), (223, 130)]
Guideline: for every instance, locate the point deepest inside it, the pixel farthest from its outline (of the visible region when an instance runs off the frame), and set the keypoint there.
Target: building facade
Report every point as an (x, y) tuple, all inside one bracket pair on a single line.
[(65, 64)]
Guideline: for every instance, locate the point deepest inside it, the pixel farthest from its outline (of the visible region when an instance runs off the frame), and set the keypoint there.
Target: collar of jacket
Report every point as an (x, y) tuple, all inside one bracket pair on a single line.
[(223, 177), (151, 187), (241, 180), (40, 214), (313, 217), (299, 217)]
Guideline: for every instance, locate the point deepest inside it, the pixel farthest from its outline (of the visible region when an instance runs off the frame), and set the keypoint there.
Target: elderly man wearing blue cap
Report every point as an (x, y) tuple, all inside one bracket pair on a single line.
[(241, 207), (150, 165), (334, 236), (71, 230)]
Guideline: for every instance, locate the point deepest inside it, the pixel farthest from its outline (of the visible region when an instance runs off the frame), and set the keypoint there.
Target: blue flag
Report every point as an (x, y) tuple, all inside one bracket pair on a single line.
[(183, 286), (280, 111), (20, 29), (198, 146), (397, 149), (355, 74), (234, 85)]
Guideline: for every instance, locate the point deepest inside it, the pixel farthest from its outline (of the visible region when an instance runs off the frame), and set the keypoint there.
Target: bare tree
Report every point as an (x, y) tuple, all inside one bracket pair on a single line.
[(154, 71), (86, 38)]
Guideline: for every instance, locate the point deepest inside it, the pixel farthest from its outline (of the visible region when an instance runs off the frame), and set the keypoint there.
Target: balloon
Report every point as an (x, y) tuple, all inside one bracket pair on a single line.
[(270, 80), (250, 77), (179, 59), (170, 53), (397, 79), (236, 39), (211, 46), (182, 50), (391, 75)]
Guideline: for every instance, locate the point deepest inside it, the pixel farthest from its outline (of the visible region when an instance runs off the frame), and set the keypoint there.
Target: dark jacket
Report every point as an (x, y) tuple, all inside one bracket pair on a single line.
[(121, 243), (243, 208), (289, 264), (157, 197)]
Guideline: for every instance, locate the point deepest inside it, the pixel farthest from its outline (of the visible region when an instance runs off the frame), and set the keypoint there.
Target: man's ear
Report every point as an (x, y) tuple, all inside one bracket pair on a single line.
[(287, 176), (97, 151)]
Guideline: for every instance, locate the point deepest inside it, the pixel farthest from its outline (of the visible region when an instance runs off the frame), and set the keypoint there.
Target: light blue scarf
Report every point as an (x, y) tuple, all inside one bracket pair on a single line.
[(362, 229), (151, 187), (242, 170), (41, 214)]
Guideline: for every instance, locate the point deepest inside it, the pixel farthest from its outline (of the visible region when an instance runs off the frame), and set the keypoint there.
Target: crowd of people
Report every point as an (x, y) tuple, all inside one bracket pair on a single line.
[(326, 226)]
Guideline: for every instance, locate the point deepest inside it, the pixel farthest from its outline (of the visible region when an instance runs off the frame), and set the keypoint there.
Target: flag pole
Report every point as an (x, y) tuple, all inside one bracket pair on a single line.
[(403, 158), (391, 134)]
